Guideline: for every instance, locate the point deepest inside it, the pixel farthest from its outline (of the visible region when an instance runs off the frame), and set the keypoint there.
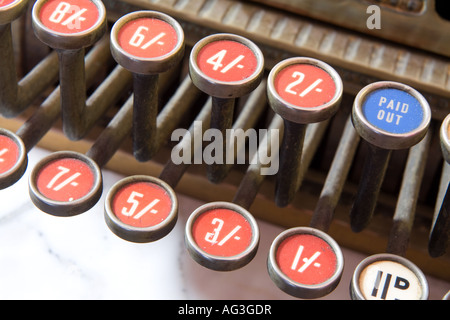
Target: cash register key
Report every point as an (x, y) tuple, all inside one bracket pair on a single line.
[(225, 66), (141, 209), (302, 91), (388, 277), (391, 115), (65, 183), (305, 262), (69, 24), (222, 236), (146, 43)]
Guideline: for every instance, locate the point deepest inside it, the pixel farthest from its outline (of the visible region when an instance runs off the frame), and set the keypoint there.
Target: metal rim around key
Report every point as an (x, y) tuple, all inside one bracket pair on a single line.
[(141, 209), (224, 62), (155, 46), (445, 138), (390, 115), (14, 159), (305, 243), (56, 22), (302, 84), (12, 10), (369, 282), (213, 228), (65, 184)]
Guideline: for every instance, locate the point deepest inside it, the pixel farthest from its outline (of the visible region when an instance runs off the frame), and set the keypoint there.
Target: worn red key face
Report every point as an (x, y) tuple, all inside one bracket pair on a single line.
[(4, 3), (9, 154), (147, 38), (65, 180), (227, 60), (306, 259), (222, 232), (69, 16), (305, 85), (142, 204)]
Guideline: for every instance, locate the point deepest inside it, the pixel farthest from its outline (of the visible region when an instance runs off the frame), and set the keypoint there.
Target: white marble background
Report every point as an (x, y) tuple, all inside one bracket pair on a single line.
[(47, 257)]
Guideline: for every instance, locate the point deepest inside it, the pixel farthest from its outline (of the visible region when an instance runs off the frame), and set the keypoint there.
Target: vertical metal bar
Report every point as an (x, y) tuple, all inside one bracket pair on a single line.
[(221, 119), (175, 110), (335, 181), (73, 91), (252, 180), (44, 117), (371, 180), (290, 158), (406, 205), (144, 115), (440, 228)]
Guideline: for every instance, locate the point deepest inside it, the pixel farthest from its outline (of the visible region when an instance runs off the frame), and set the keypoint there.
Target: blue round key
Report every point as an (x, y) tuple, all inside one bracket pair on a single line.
[(391, 115)]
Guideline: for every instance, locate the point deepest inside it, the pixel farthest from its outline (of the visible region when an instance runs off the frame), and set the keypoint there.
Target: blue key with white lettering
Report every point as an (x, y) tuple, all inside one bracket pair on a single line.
[(389, 116)]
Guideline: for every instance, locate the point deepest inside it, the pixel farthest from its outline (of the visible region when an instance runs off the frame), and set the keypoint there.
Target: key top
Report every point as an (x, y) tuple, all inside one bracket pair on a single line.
[(69, 24), (389, 116), (65, 184), (301, 91), (146, 43), (225, 66), (141, 209), (222, 236), (13, 158), (388, 277), (305, 262)]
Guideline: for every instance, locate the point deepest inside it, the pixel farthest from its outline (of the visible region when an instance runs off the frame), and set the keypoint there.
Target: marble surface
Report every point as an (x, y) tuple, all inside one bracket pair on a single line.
[(47, 257)]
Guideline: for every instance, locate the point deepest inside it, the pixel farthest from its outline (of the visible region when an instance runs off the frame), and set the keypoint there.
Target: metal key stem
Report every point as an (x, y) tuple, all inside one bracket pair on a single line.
[(337, 175)]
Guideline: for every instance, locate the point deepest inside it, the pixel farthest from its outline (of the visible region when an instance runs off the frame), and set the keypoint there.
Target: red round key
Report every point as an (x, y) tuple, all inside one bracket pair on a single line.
[(306, 259), (305, 85), (69, 16), (227, 60), (222, 236), (141, 209), (147, 37), (222, 232), (65, 180), (142, 204), (305, 262), (9, 154), (226, 65)]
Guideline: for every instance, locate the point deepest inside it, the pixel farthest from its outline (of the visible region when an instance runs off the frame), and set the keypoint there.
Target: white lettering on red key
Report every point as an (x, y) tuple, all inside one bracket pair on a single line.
[(306, 259), (304, 85), (65, 180), (142, 204), (227, 60), (147, 38), (222, 232), (69, 16)]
